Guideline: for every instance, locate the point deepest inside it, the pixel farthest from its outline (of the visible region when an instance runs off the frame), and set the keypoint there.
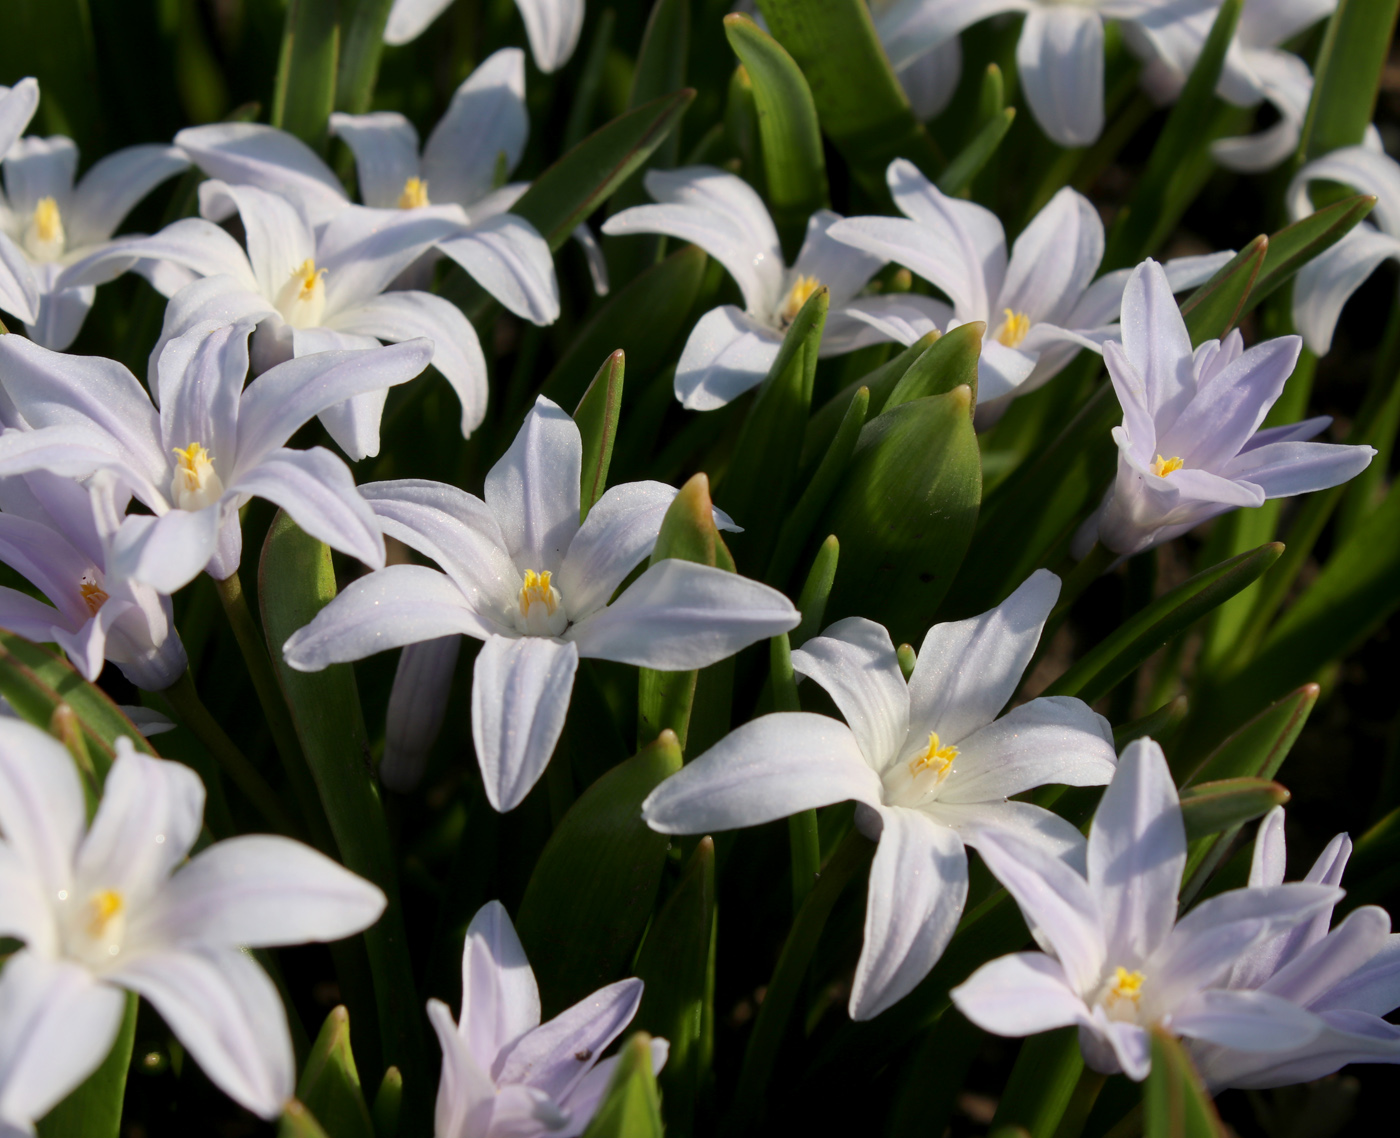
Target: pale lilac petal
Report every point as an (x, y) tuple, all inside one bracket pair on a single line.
[(1250, 1021), (500, 999), (363, 250), (1053, 260), (1346, 1037), (918, 884), (507, 256), (617, 536), (975, 233), (1266, 867), (534, 489), (1331, 863), (583, 1101), (42, 813), (166, 552), (408, 19), (555, 1056), (1284, 469), (1129, 1045), (113, 186), (191, 243), (28, 616), (1366, 170), (854, 661), (60, 317), (593, 254), (1001, 370), (466, 1095), (903, 317), (1033, 825), (219, 299), (553, 27), (929, 80), (1373, 988), (19, 290), (1156, 344), (17, 107), (201, 377), (1022, 994), (1301, 431), (37, 168), (728, 353), (680, 615), (520, 695), (1325, 284), (768, 768), (417, 708), (908, 28), (385, 146), (1314, 971), (352, 425), (842, 268), (484, 129), (1060, 60), (968, 670), (226, 1012)]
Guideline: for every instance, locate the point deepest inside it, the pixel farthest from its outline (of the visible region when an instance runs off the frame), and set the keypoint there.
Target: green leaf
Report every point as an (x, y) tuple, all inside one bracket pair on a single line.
[(679, 996), (1042, 1082), (950, 362), (1161, 724), (298, 1122), (592, 890), (387, 1102), (763, 468), (585, 95), (596, 415), (631, 1108), (1213, 309), (816, 591), (54, 41), (905, 514), (1119, 654), (94, 1109), (860, 103), (330, 1084), (968, 162), (1175, 1103), (1346, 76), (295, 581), (793, 165), (361, 45), (642, 319), (589, 174), (661, 62), (304, 94), (1295, 245), (1210, 807)]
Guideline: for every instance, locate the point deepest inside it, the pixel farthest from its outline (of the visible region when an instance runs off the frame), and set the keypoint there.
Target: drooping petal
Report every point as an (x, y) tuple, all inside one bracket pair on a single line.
[(680, 615), (1021, 994), (226, 1012), (1137, 850), (929, 80), (918, 884), (1325, 284), (483, 130), (1060, 60), (553, 27), (500, 999), (1053, 260), (768, 768), (220, 299), (385, 146), (42, 813), (60, 317), (520, 695), (507, 256), (967, 670), (113, 186), (855, 663), (617, 536), (908, 28), (352, 425), (728, 353), (556, 1055), (534, 489)]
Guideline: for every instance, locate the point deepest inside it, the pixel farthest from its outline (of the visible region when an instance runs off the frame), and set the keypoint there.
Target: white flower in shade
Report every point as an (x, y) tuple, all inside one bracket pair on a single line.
[(1349, 977), (1256, 70), (47, 223), (506, 1075), (929, 764), (1117, 961), (520, 573), (212, 446), (115, 906), (1190, 447), (552, 26), (1325, 284), (1040, 307), (1059, 56), (731, 349), (58, 535)]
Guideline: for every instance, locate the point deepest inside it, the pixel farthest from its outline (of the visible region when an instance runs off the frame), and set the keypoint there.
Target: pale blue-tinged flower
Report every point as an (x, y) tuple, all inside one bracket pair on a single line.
[(552, 26), (1040, 306), (1117, 961), (1190, 447), (1325, 283), (506, 1075), (47, 223), (1348, 976), (117, 903), (519, 572), (211, 447), (1059, 56), (929, 764), (58, 535), (731, 349)]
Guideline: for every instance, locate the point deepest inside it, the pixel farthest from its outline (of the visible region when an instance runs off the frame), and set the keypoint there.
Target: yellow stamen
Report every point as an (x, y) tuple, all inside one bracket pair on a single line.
[(310, 276), (537, 591), (415, 194), (1013, 329), (43, 238), (802, 289), (1164, 466), (48, 222), (94, 596), (196, 483), (103, 907), (1126, 985), (938, 758)]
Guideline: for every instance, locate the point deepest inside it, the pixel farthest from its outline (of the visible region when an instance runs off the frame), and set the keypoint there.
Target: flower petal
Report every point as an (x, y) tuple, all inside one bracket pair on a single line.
[(1033, 825), (201, 376), (727, 353), (37, 168), (842, 268), (42, 813), (220, 299), (385, 146), (1060, 60), (1334, 959), (1053, 260), (19, 290), (17, 107), (166, 552), (418, 704), (500, 999), (1282, 470), (507, 256), (409, 19), (1156, 344), (555, 1056), (363, 249), (553, 27), (466, 1096), (484, 128), (617, 536), (534, 489), (1249, 1021), (113, 186), (1021, 994)]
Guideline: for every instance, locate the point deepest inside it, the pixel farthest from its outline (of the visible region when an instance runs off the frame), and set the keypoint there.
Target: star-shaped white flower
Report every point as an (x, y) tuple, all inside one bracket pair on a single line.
[(553, 26)]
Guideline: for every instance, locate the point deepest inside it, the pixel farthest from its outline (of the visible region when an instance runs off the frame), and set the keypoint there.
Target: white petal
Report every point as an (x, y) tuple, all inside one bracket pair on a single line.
[(507, 256), (903, 317), (1156, 344), (728, 353), (363, 250), (191, 243), (768, 768), (484, 128), (1034, 825), (1022, 994), (39, 168), (219, 299), (918, 884), (929, 80), (553, 27), (408, 19), (201, 376), (61, 316), (1325, 284), (908, 28), (520, 695), (167, 552), (854, 661), (557, 1055), (680, 615), (19, 291), (1319, 968), (844, 269), (534, 489), (418, 704), (1282, 470), (617, 536), (1363, 169), (385, 146), (466, 1096), (113, 186), (1266, 867), (1250, 1021), (1060, 60), (1001, 370), (1053, 260), (42, 813), (500, 999), (17, 107)]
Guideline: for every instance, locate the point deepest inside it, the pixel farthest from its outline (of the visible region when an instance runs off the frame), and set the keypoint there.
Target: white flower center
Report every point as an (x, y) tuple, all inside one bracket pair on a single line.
[(541, 611), (302, 300), (44, 239), (1013, 329), (94, 929), (1122, 995), (196, 483), (415, 194), (798, 295), (919, 779)]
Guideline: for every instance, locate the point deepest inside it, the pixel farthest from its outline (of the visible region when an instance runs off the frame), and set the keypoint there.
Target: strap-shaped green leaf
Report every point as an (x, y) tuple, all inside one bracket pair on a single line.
[(597, 415), (298, 1122), (304, 93), (1174, 1101), (94, 1109), (1212, 309), (1209, 807), (1346, 76), (330, 1083), (951, 362), (968, 162), (361, 44), (816, 591), (1295, 245), (631, 1108)]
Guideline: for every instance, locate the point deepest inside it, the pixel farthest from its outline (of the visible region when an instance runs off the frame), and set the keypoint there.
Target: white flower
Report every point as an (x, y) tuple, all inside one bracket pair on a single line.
[(1117, 962), (506, 1075), (520, 573), (553, 26), (114, 905), (929, 763), (730, 349)]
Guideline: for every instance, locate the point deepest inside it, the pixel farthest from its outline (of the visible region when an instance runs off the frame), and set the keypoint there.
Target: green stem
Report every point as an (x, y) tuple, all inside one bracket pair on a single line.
[(851, 856), (1086, 1093), (804, 839), (185, 701)]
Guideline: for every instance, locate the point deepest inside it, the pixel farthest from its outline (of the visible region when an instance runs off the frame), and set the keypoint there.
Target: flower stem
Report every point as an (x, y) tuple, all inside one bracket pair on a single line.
[(804, 839), (851, 856), (185, 701)]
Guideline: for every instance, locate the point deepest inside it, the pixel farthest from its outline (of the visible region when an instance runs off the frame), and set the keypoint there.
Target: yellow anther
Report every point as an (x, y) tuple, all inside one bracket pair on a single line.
[(415, 194), (938, 758), (310, 277), (94, 596), (802, 289), (43, 237), (196, 483), (538, 591), (48, 222), (1126, 985), (103, 908), (1013, 329), (1164, 466)]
